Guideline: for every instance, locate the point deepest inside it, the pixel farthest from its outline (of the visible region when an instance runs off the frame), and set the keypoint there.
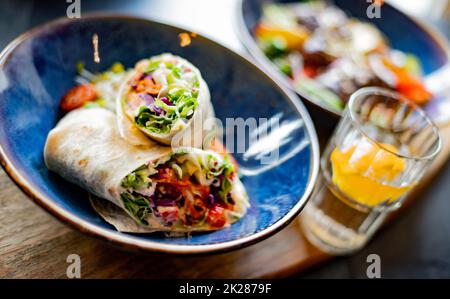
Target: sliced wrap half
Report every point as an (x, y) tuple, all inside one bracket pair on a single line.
[(181, 190), (165, 98)]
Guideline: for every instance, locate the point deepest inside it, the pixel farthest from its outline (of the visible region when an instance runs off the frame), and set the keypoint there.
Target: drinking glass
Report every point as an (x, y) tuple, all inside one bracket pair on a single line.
[(379, 151)]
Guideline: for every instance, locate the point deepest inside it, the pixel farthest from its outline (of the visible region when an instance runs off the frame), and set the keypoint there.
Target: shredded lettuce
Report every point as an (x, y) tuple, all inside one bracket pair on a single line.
[(273, 47), (320, 92), (226, 185), (137, 205), (94, 104), (181, 90), (137, 179), (159, 124), (283, 65), (153, 65)]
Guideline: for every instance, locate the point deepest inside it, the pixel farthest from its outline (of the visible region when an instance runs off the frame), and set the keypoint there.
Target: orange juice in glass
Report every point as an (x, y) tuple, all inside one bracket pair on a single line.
[(379, 151)]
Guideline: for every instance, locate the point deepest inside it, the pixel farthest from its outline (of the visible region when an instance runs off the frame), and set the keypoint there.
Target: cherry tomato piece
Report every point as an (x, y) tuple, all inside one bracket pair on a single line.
[(77, 97)]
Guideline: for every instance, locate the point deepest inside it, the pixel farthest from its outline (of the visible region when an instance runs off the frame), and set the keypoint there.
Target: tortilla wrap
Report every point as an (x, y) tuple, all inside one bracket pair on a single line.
[(189, 131), (86, 149)]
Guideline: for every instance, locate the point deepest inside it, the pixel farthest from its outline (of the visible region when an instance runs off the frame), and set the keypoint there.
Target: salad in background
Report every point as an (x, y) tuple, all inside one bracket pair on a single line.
[(329, 55)]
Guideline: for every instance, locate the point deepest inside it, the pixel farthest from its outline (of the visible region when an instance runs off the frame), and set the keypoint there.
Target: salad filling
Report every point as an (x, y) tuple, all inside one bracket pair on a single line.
[(163, 94), (328, 55), (94, 90), (190, 188)]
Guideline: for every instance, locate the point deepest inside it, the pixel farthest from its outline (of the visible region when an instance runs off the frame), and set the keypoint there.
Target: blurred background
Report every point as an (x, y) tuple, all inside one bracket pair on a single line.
[(417, 244)]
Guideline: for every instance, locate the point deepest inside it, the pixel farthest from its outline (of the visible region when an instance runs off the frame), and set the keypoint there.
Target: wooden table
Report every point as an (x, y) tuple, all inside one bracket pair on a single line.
[(34, 244)]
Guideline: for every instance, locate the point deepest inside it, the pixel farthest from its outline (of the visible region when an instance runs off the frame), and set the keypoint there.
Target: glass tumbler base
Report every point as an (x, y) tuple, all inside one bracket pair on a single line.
[(328, 235)]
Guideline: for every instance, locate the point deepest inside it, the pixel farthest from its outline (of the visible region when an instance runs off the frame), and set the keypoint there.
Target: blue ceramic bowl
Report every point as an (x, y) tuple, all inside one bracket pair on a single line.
[(403, 32), (39, 67)]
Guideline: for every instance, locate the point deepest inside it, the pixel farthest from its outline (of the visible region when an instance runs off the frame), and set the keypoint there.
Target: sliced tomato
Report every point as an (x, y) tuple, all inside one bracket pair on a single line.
[(413, 89), (408, 85), (216, 216), (77, 97), (310, 72)]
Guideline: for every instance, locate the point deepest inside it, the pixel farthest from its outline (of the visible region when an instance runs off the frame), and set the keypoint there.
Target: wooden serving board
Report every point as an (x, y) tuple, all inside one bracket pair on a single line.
[(33, 244)]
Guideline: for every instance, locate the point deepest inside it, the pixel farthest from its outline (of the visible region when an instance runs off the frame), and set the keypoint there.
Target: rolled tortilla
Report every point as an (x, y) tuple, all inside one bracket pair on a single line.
[(158, 187), (166, 98)]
